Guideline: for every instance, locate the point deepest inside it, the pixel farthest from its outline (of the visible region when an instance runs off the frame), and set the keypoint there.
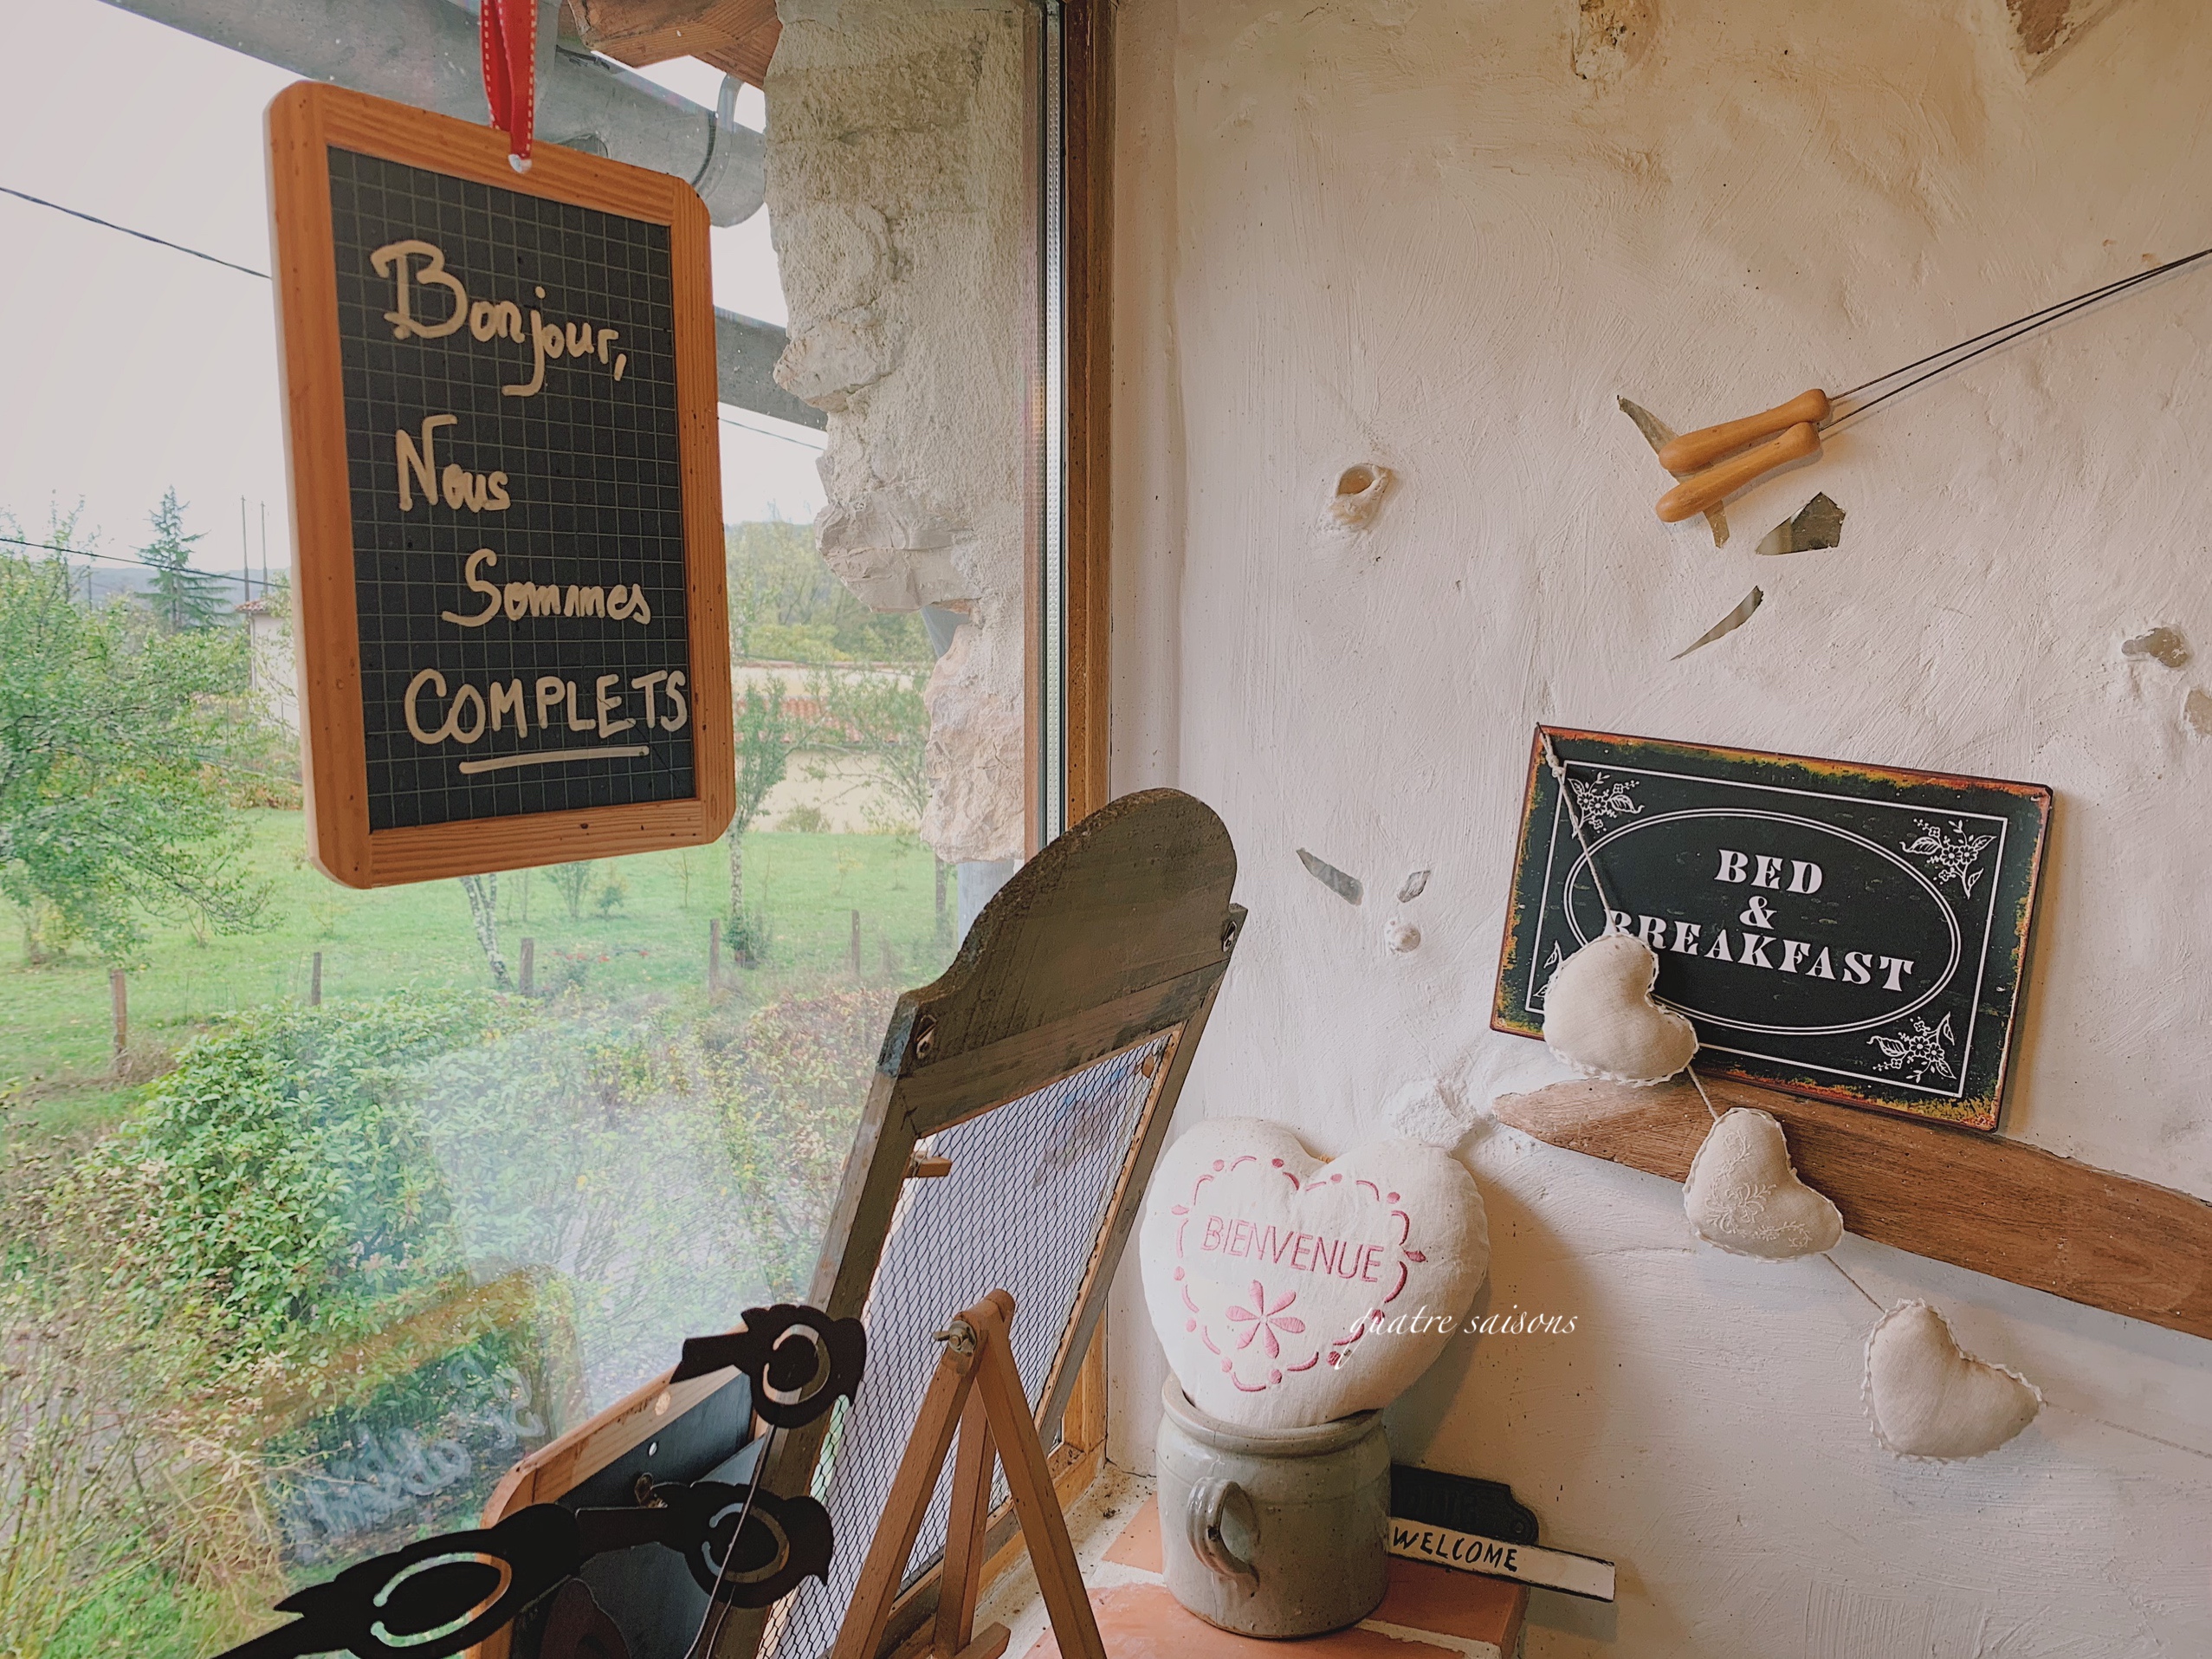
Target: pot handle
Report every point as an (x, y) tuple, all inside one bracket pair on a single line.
[(1211, 1500)]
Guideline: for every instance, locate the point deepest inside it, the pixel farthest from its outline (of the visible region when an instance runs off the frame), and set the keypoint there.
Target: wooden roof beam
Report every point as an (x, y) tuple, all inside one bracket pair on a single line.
[(737, 37)]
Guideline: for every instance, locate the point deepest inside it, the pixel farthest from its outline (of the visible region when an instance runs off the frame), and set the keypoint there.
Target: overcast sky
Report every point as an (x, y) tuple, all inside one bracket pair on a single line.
[(129, 368)]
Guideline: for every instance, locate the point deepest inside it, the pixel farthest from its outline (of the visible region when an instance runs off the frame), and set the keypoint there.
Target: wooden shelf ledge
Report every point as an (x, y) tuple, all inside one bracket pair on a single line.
[(2011, 1211)]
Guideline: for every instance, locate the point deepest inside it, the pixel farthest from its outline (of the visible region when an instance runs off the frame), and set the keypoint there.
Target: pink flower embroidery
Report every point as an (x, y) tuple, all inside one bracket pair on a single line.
[(1266, 1321)]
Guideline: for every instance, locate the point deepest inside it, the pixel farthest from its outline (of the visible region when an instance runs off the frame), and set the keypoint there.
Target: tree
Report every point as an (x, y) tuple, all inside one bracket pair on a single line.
[(791, 1094), (112, 798), (187, 600), (786, 605), (482, 894), (569, 880), (884, 717), (766, 736)]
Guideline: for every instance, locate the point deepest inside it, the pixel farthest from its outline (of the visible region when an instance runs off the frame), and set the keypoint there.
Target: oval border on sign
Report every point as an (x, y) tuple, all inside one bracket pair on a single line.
[(1951, 918)]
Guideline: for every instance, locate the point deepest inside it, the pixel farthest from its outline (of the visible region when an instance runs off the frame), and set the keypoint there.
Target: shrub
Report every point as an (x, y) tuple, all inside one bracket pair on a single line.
[(282, 1171), (128, 1509), (207, 1319), (791, 1090), (614, 893)]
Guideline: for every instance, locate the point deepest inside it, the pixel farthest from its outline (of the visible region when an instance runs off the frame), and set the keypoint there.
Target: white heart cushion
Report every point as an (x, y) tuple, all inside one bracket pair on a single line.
[(1599, 1018), (1928, 1397), (1288, 1292), (1743, 1195)]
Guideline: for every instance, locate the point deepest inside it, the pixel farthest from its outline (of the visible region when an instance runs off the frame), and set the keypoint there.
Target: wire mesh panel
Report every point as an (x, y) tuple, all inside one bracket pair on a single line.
[(1022, 1211)]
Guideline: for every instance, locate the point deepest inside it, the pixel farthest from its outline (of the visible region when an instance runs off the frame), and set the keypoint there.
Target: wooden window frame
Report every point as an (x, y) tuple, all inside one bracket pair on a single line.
[(1088, 111)]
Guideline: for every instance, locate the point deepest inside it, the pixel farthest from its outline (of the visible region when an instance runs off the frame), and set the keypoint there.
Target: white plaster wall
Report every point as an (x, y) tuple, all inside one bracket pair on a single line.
[(1409, 231)]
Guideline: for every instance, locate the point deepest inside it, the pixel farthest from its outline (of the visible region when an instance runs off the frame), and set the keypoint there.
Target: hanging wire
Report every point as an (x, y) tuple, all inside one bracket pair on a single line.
[(1853, 1283), (1575, 822), (1966, 350), (86, 552), (780, 438), (718, 1609)]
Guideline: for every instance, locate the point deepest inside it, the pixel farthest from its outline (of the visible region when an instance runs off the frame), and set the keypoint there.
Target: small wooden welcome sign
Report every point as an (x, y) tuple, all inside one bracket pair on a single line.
[(512, 636)]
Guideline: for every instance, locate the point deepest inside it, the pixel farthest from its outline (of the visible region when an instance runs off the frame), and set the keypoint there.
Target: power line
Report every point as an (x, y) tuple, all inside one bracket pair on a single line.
[(109, 225), (178, 247), (117, 559), (87, 552), (780, 438)]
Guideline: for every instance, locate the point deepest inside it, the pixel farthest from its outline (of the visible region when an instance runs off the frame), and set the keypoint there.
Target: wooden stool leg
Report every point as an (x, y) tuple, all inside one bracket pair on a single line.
[(962, 1581), (993, 1420), (870, 1611), (1052, 1552)]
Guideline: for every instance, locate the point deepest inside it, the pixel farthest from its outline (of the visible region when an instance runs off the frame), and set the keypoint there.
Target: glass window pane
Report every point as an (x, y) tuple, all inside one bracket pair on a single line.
[(319, 1208)]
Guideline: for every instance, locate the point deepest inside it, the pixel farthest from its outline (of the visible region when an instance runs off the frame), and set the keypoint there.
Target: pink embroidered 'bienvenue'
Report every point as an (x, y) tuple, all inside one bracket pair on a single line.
[(1269, 1319)]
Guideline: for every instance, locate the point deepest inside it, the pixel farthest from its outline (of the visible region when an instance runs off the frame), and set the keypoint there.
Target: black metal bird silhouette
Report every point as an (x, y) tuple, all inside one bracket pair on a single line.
[(800, 1360), (744, 1547), (783, 1540), (434, 1597)]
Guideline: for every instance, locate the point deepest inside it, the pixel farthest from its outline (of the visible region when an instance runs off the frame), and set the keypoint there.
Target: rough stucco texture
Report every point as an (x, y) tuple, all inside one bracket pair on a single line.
[(1412, 232), (897, 172)]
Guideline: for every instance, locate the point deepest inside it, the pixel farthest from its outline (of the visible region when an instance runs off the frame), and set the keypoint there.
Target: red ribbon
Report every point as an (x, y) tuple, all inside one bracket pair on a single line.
[(510, 36)]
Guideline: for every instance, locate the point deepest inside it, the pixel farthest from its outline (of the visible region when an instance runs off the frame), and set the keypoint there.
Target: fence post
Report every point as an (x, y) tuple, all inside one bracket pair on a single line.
[(856, 944), (529, 965), (120, 997), (713, 955), (315, 982)]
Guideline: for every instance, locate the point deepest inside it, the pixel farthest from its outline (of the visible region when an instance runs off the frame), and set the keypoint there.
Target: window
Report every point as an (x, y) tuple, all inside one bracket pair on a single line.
[(322, 1208)]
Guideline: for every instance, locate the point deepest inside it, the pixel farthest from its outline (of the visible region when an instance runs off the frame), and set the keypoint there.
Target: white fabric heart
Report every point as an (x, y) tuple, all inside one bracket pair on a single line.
[(1743, 1195), (1927, 1397), (1599, 1018), (1288, 1292)]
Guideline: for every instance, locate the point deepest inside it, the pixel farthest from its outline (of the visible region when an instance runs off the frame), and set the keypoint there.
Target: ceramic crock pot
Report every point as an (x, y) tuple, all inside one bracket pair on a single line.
[(1272, 1531)]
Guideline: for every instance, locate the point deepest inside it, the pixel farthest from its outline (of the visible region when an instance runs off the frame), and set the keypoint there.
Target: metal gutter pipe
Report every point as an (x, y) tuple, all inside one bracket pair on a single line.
[(425, 53)]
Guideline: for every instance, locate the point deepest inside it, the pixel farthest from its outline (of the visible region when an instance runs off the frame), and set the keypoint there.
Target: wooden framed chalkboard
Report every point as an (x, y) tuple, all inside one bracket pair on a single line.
[(510, 620), (1855, 933)]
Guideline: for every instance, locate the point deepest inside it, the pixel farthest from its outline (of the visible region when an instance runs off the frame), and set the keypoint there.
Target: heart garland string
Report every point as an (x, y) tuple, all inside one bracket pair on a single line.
[(1926, 1396)]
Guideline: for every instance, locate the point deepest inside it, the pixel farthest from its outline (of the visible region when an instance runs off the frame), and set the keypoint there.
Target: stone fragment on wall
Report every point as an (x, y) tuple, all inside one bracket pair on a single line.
[(2046, 27), (1610, 36), (898, 193)]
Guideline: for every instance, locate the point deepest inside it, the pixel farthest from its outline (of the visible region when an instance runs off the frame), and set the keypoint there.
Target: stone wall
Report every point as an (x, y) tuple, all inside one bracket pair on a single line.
[(898, 171)]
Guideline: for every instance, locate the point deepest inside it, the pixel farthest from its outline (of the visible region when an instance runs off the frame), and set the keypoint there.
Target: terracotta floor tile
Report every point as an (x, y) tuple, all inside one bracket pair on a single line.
[(1426, 1597), (1138, 1546), (1144, 1622)]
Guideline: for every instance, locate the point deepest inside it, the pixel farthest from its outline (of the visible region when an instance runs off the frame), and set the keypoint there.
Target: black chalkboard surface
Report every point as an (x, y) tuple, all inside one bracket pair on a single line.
[(506, 491), (1858, 933)]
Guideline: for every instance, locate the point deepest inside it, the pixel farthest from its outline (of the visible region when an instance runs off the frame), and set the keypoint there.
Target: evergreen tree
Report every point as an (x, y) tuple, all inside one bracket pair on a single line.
[(188, 600)]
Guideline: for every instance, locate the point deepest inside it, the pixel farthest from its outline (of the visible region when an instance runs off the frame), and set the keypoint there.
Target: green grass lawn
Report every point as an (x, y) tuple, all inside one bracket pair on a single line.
[(54, 1024)]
